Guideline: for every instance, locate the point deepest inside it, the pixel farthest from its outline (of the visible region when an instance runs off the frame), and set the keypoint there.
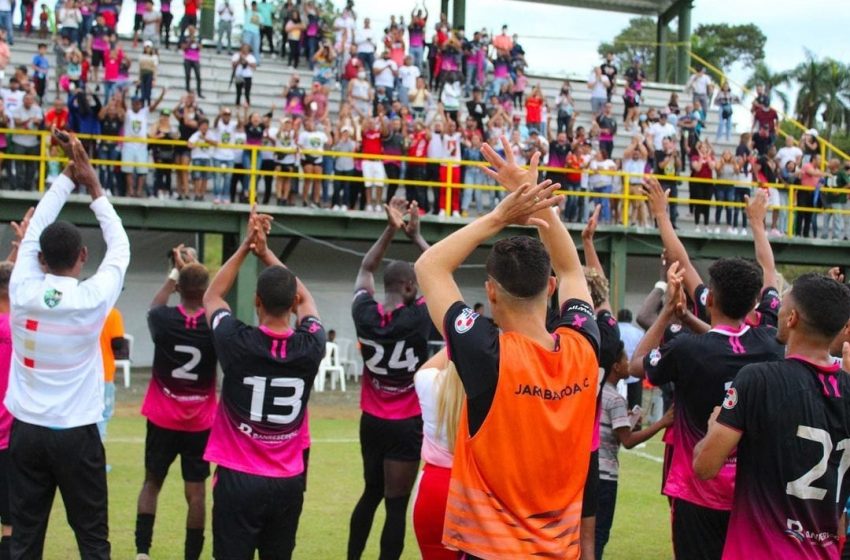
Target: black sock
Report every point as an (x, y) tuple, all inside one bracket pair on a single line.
[(361, 521), (144, 532), (392, 537), (194, 543), (4, 547)]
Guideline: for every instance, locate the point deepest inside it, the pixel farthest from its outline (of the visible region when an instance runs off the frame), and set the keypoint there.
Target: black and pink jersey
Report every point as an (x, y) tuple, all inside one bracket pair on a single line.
[(393, 343), (793, 459), (766, 313), (261, 426), (181, 392), (702, 368)]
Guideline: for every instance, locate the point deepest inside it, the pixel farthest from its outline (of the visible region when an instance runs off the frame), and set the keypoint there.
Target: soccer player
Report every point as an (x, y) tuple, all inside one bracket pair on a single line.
[(180, 401), (394, 342), (518, 477), (790, 423), (765, 312), (56, 323), (258, 436), (702, 366)]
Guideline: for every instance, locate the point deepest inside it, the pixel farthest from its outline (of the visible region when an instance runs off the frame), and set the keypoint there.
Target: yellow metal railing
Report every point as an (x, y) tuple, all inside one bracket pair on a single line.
[(625, 197)]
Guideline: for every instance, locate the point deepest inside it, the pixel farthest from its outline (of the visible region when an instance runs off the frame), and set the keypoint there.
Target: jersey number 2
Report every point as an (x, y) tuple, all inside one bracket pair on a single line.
[(802, 487), (184, 371), (409, 362), (258, 397)]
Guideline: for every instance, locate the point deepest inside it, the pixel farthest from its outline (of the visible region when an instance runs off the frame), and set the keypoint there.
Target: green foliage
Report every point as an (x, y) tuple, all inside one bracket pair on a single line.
[(772, 81), (638, 40), (824, 94), (723, 44)]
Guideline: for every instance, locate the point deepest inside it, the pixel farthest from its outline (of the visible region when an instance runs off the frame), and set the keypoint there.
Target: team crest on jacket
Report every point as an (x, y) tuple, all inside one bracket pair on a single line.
[(52, 297), (465, 320), (731, 398)]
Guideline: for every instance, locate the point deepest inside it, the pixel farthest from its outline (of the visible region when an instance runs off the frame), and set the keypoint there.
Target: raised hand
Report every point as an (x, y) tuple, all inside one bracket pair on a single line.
[(657, 197), (590, 229), (757, 207), (83, 172), (20, 229), (411, 229), (675, 289), (505, 170), (395, 213), (519, 207)]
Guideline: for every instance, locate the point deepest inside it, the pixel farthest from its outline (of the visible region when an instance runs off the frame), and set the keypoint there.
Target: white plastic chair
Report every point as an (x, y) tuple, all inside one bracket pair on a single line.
[(125, 364), (348, 363), (330, 365)]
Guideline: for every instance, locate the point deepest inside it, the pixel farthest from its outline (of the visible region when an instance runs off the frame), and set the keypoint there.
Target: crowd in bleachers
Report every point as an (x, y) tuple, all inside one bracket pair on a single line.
[(412, 89)]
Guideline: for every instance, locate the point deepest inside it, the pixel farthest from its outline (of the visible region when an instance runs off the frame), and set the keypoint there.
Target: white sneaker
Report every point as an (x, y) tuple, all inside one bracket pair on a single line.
[(698, 229), (335, 207), (455, 214), (717, 229), (344, 208), (142, 557), (743, 231), (732, 231)]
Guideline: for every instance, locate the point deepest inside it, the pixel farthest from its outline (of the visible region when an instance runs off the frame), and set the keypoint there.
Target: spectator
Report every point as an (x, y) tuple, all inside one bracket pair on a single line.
[(632, 99), (311, 140), (668, 162), (312, 31), (361, 95), (343, 169), (316, 103), (602, 182), (364, 39), (765, 116), (187, 114), (148, 64), (134, 155), (702, 167), (294, 95), (44, 17), (98, 45), (472, 59), (344, 26), (724, 101), (598, 84), (57, 116), (833, 223), (225, 28), (384, 73), (566, 108), (5, 54), (266, 9), (138, 21), (420, 98), (285, 138), (40, 70), (202, 143), (701, 86), (113, 346), (69, 21), (635, 158), (450, 95), (244, 64), (607, 128), (165, 26), (324, 62), (6, 164), (294, 29), (727, 169), (452, 143), (408, 75), (374, 173), (192, 46), (534, 109), (163, 154), (190, 18), (416, 35), (111, 118), (6, 20), (609, 69), (473, 176), (28, 116), (111, 66)]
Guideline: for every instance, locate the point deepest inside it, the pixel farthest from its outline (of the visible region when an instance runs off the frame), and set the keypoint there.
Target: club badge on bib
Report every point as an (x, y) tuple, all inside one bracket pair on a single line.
[(52, 298), (465, 320)]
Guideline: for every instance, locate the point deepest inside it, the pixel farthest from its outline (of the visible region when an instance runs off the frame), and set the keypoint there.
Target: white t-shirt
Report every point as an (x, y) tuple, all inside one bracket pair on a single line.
[(225, 12), (600, 85), (700, 84), (244, 71), (634, 166), (287, 140), (12, 99), (362, 40), (451, 146), (225, 134), (598, 181), (659, 132), (22, 114), (345, 23), (786, 154), (136, 123), (435, 445), (435, 146), (202, 150), (384, 72), (5, 6), (314, 140), (408, 75), (450, 96)]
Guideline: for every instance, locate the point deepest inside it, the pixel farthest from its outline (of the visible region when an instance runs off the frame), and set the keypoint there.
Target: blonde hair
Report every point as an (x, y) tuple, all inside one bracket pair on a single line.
[(450, 397), (597, 284)]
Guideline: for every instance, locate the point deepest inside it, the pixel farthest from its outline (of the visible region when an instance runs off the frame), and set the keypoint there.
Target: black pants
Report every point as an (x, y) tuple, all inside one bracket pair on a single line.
[(162, 180), (26, 172), (267, 32), (244, 86), (255, 513), (701, 191), (698, 532), (268, 180), (238, 182), (416, 172), (803, 220), (607, 502), (188, 67), (432, 175), (342, 188), (185, 22), (393, 173), (165, 28), (294, 53), (73, 460)]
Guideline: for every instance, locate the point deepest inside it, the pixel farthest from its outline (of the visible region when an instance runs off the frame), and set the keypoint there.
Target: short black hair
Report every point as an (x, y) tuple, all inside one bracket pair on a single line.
[(61, 244), (624, 315), (193, 280), (276, 287), (520, 265), (735, 285), (5, 275), (823, 304), (397, 274)]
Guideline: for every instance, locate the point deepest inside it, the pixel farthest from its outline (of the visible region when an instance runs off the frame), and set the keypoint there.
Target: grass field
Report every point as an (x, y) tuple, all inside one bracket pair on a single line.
[(641, 528)]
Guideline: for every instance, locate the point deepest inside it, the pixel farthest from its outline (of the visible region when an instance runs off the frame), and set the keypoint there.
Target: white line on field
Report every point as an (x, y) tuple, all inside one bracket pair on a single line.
[(141, 440), (643, 455)]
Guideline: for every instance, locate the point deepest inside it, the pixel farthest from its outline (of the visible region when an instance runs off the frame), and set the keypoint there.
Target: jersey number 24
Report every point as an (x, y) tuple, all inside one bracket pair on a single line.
[(396, 362)]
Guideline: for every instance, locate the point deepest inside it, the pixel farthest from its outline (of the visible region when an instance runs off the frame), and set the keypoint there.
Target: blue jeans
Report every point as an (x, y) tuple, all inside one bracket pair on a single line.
[(471, 77), (6, 23), (312, 47), (833, 224), (724, 127), (416, 53), (221, 180), (605, 505), (109, 151), (252, 38), (225, 30), (723, 193), (574, 207), (604, 201), (740, 193), (327, 184), (473, 176)]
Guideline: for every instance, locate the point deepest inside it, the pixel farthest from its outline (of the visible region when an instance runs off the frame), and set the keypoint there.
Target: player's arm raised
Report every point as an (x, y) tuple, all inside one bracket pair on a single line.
[(757, 212), (657, 198), (372, 259), (435, 268), (160, 298), (591, 258), (652, 338)]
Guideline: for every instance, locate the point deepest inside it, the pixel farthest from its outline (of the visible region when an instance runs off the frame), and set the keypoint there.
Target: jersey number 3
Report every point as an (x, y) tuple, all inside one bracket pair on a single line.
[(802, 487)]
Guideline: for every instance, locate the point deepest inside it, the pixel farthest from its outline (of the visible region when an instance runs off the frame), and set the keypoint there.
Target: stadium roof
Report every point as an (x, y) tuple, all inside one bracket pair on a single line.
[(643, 7)]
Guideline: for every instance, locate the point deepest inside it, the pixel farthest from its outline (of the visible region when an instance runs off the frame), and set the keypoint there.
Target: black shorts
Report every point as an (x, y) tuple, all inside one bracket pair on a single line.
[(96, 58), (255, 513), (698, 532), (310, 160), (139, 22), (591, 487), (394, 440), (5, 512), (162, 446), (285, 167)]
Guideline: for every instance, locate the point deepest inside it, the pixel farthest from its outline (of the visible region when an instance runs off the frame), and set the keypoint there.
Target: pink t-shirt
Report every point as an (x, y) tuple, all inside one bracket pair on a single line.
[(192, 52), (5, 362)]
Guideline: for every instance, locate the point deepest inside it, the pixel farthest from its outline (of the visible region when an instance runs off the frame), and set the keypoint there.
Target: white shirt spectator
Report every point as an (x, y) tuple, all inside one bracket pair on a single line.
[(201, 148), (600, 85), (344, 26), (225, 12), (12, 99), (136, 123), (365, 40), (408, 75), (701, 83), (634, 167), (599, 180), (450, 96), (56, 378), (5, 6), (451, 146), (788, 153), (244, 71), (659, 132), (70, 18), (435, 146), (24, 114), (384, 71), (225, 133)]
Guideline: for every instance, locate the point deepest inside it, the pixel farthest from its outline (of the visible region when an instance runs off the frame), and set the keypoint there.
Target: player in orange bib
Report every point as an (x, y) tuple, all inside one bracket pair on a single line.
[(523, 444)]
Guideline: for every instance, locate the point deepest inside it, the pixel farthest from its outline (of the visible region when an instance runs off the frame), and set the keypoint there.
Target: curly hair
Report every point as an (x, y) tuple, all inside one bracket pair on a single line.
[(598, 286), (823, 304), (735, 285)]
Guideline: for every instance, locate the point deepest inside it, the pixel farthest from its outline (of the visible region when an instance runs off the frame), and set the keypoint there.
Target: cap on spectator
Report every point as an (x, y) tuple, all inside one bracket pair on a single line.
[(165, 112), (136, 99), (346, 129), (533, 132), (517, 117), (147, 44), (812, 132)]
